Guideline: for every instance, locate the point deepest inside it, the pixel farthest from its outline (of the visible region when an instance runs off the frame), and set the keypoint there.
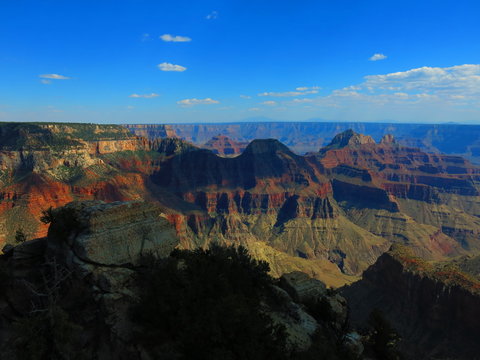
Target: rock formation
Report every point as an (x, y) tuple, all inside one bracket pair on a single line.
[(224, 146), (434, 307)]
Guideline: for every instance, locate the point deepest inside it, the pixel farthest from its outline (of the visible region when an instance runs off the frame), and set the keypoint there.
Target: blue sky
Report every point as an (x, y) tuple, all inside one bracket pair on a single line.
[(208, 61)]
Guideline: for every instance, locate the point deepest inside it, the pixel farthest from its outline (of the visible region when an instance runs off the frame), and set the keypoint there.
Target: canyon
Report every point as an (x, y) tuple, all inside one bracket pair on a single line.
[(362, 224), (329, 213), (308, 136)]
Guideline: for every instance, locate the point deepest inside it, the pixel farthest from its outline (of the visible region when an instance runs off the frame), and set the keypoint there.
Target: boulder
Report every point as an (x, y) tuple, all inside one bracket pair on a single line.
[(302, 287), (311, 292), (299, 325), (94, 233)]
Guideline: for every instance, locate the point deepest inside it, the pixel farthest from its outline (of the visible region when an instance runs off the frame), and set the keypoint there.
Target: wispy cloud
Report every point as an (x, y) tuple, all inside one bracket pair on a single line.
[(46, 81), (245, 96), (307, 88), (145, 37), (376, 57), (254, 109), (269, 103), (145, 96), (212, 16), (54, 76), (298, 92), (194, 101), (171, 67), (177, 38), (302, 101)]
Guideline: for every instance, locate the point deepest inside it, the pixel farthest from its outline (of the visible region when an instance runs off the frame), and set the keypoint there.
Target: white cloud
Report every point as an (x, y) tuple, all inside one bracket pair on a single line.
[(376, 57), (145, 96), (455, 80), (302, 101), (245, 96), (177, 38), (46, 81), (171, 67), (425, 93), (145, 37), (299, 91), (281, 94), (305, 88), (269, 103), (194, 101), (212, 16), (54, 76), (254, 109)]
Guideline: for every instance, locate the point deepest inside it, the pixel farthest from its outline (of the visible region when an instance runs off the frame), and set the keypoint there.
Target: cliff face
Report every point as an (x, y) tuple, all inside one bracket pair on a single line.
[(152, 131), (433, 308), (330, 214)]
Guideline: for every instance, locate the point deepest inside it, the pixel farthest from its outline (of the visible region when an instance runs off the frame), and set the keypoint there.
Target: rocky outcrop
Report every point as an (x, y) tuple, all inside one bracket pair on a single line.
[(348, 138), (263, 163), (224, 146), (302, 287), (388, 139), (94, 233), (434, 308), (306, 290), (92, 250)]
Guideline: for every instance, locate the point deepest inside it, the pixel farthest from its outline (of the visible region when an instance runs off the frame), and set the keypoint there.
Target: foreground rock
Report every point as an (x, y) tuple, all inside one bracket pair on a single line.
[(92, 234), (83, 271)]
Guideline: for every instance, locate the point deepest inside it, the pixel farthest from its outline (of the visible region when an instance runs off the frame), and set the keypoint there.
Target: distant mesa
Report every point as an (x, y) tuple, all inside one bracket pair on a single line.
[(352, 139)]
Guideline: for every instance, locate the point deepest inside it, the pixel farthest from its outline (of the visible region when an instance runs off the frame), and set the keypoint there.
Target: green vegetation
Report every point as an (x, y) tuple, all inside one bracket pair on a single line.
[(20, 236), (68, 174), (47, 215), (382, 339), (207, 304), (48, 334)]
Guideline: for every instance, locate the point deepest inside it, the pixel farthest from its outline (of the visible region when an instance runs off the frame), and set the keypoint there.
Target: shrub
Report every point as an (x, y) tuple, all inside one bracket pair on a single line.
[(207, 304), (383, 339), (20, 236)]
